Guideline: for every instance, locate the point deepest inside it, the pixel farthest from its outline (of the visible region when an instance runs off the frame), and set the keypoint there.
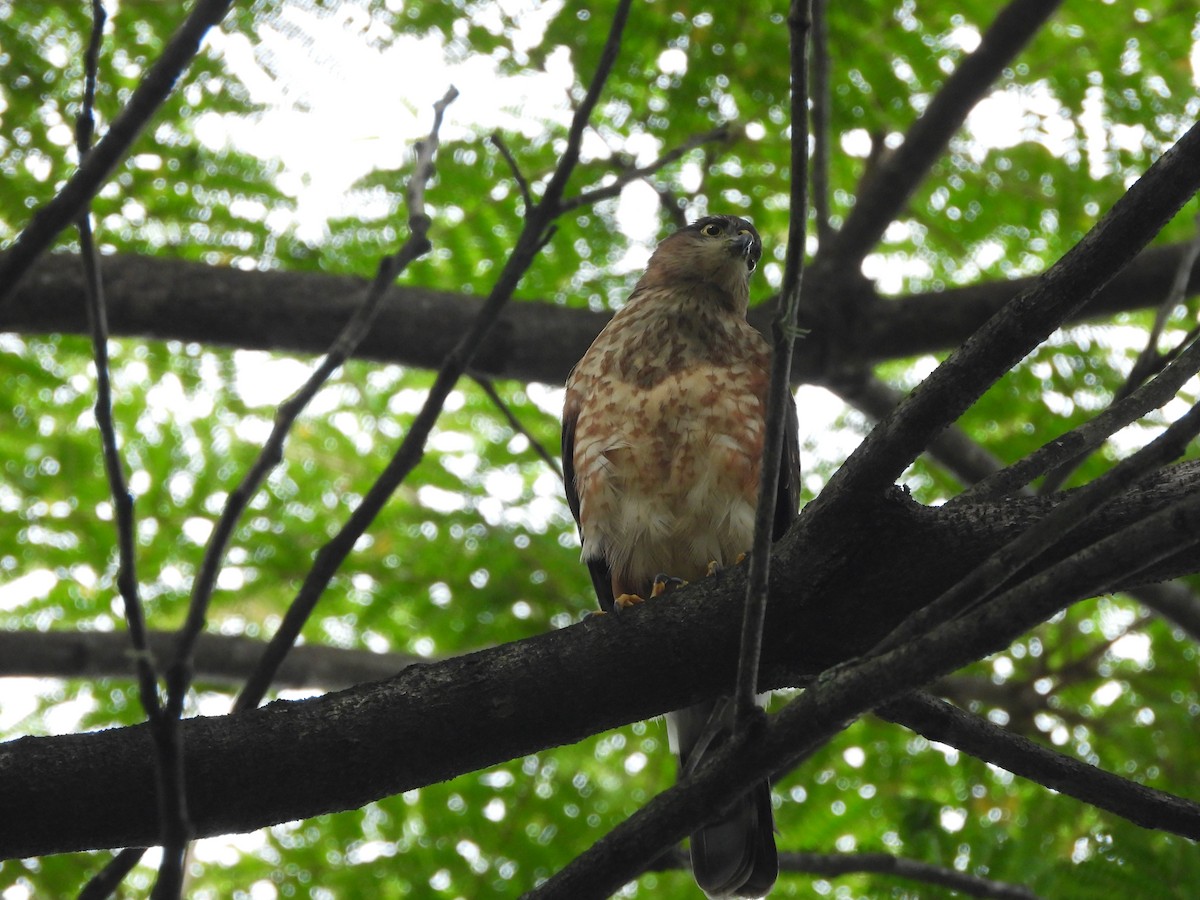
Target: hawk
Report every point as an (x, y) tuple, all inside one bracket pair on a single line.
[(663, 428)]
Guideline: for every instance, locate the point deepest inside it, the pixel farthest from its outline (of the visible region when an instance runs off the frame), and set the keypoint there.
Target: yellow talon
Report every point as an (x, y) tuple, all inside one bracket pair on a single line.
[(627, 600), (664, 584), (713, 568)]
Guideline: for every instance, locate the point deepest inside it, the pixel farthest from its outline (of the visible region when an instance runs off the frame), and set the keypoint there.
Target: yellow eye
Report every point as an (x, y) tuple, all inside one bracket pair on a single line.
[(711, 230)]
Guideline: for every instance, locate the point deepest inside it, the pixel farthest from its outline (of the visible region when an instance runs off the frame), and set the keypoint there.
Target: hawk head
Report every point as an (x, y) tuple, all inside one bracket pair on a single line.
[(719, 250)]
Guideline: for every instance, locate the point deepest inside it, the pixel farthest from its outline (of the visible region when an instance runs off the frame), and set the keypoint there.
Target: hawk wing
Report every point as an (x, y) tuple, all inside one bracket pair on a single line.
[(597, 568), (787, 496)]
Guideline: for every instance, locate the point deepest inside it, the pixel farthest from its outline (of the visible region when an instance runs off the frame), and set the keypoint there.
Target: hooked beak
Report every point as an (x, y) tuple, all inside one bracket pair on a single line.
[(743, 246), (740, 245)]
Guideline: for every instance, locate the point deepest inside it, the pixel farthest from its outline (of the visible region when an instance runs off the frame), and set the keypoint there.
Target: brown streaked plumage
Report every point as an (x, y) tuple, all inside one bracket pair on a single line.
[(663, 429)]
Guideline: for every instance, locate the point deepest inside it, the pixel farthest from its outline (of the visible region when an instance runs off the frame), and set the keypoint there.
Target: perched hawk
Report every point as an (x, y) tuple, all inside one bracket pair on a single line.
[(663, 430)]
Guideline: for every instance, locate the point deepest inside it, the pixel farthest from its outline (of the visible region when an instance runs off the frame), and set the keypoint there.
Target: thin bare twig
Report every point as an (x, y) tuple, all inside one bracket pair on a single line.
[(779, 394), (721, 134), (179, 673), (169, 787), (832, 865), (536, 231), (355, 330), (1149, 361), (522, 183), (67, 205), (1090, 434), (819, 76), (516, 424)]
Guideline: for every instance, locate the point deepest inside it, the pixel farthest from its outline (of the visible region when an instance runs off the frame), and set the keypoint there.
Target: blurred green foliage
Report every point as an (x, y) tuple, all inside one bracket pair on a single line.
[(478, 546)]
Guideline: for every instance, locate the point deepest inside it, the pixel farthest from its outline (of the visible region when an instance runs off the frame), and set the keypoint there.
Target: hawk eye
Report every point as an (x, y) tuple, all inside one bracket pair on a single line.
[(711, 230)]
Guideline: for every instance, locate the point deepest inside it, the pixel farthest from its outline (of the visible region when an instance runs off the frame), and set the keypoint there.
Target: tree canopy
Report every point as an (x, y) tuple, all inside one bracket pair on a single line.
[(982, 633)]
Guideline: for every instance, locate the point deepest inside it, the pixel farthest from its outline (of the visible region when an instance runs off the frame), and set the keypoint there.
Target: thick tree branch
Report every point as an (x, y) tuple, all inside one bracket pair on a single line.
[(293, 312), (248, 770), (846, 691), (223, 660)]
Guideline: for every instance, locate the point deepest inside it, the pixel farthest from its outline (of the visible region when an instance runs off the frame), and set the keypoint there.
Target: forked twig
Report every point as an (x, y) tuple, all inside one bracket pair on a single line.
[(1148, 362), (1093, 433), (535, 232), (347, 341)]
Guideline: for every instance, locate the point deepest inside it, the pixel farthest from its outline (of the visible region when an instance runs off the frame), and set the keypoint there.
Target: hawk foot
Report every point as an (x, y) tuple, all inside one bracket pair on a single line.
[(665, 584), (627, 600)]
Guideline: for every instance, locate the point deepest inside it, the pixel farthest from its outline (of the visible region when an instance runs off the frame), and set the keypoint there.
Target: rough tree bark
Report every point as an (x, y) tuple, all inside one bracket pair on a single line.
[(835, 595), (533, 341)]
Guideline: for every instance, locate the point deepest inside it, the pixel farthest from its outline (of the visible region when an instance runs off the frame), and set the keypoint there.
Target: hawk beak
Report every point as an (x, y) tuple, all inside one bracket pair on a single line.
[(741, 245)]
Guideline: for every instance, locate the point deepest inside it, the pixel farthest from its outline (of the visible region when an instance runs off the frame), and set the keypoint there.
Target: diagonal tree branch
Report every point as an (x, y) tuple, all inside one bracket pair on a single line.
[(1024, 321), (939, 721), (517, 425), (535, 232), (1070, 514), (1094, 432), (892, 181), (77, 193), (720, 134), (1149, 361), (845, 692), (952, 448), (179, 672), (351, 335)]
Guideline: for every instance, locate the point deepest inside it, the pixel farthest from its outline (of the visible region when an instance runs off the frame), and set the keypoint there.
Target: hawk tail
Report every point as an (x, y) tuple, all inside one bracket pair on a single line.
[(734, 854)]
